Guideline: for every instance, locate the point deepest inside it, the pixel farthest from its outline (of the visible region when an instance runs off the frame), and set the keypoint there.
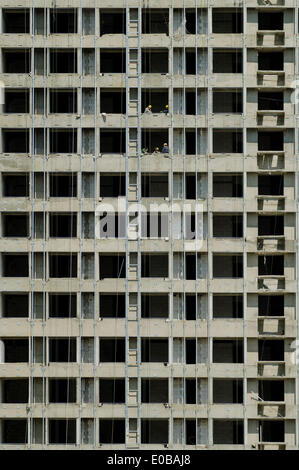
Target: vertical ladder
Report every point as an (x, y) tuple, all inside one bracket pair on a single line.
[(133, 221)]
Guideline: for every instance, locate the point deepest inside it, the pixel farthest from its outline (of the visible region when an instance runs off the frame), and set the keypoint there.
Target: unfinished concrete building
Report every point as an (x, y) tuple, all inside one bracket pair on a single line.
[(184, 337)]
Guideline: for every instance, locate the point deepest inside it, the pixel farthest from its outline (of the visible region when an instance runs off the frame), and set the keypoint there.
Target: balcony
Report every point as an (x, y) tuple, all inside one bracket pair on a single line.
[(270, 38), (269, 243), (273, 326)]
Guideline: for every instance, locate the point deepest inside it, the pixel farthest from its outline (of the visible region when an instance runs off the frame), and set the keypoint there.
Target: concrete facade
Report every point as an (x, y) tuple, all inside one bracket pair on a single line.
[(164, 342)]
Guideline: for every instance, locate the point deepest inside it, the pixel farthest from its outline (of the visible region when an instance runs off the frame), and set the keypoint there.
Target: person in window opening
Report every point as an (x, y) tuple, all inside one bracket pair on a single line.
[(157, 150), (165, 148), (148, 109), (165, 110), (144, 151)]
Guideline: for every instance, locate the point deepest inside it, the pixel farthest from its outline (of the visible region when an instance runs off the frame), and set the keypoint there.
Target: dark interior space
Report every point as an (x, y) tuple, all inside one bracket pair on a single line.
[(190, 432), (112, 266), (112, 390), (112, 61), (230, 266), (15, 391), (154, 306), (153, 185), (228, 351), (271, 390), (16, 60), (112, 431), (63, 266), (227, 226), (63, 61), (16, 350), (62, 305), (15, 185), (15, 265), (271, 265), (270, 140), (190, 351), (155, 21), (190, 186), (152, 139), (190, 21), (227, 391), (63, 185), (112, 306), (271, 350), (270, 185), (270, 225), (113, 102), (63, 225), (227, 62), (154, 265), (15, 225), (227, 185), (270, 305), (227, 22), (14, 431), (63, 141), (190, 306), (154, 61), (15, 141), (190, 391), (272, 431), (62, 350), (227, 306), (63, 101), (227, 141), (190, 102), (62, 431), (62, 390), (154, 391), (228, 431), (112, 22), (270, 21), (190, 266), (154, 431), (112, 350), (112, 185), (16, 21), (63, 21), (154, 350), (156, 98), (15, 305), (16, 101), (270, 101), (270, 60), (227, 102), (112, 141)]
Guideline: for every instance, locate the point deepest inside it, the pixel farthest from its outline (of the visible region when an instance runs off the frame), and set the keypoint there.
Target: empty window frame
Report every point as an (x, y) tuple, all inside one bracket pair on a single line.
[(155, 61), (227, 21), (227, 61), (272, 431), (14, 431), (15, 390), (270, 185), (154, 431), (227, 432), (15, 141), (228, 351), (271, 265), (112, 390), (268, 141), (62, 390), (63, 185), (112, 21), (62, 431), (62, 350), (112, 61), (112, 185), (62, 306), (16, 101), (154, 306), (227, 141), (63, 101), (62, 265), (227, 390), (15, 225), (63, 141), (271, 390), (270, 305), (154, 350), (153, 185), (15, 265), (16, 350), (112, 350), (158, 99), (154, 391), (228, 185), (63, 225), (16, 21), (230, 266), (15, 305), (112, 431), (270, 21), (227, 101), (63, 61), (112, 306), (227, 226), (270, 61), (152, 139), (112, 101), (155, 21), (63, 21), (227, 306), (15, 185), (269, 350), (270, 101), (270, 225), (112, 141), (16, 60), (154, 265), (112, 266)]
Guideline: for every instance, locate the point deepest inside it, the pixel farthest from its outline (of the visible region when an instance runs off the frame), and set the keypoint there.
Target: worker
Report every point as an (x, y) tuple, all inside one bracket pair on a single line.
[(144, 150), (165, 110), (148, 109), (165, 148), (157, 150)]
